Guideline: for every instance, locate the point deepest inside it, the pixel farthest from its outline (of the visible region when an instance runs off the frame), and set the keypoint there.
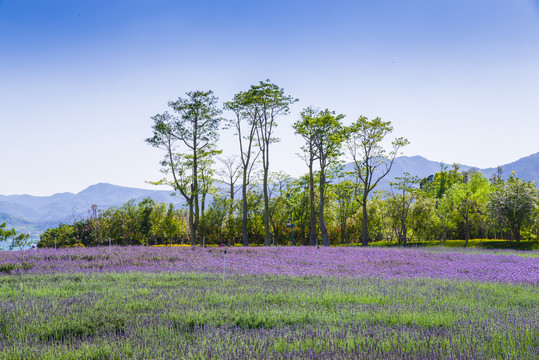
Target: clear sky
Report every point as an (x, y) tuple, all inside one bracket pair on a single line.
[(80, 79)]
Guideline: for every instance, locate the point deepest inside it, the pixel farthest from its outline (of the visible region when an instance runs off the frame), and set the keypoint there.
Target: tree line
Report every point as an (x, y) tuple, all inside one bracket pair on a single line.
[(143, 223), (188, 138), (450, 204), (329, 204)]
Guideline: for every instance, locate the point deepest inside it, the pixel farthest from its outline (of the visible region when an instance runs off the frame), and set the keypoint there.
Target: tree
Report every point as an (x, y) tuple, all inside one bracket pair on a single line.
[(229, 176), (206, 184), (215, 218), (345, 191), (322, 132), (328, 140), (261, 105), (305, 128), (423, 219), (407, 186), (188, 139), (6, 234), (63, 235), (17, 240), (513, 202), (436, 185), (298, 199), (280, 209), (21, 241), (246, 116), (467, 199), (371, 161)]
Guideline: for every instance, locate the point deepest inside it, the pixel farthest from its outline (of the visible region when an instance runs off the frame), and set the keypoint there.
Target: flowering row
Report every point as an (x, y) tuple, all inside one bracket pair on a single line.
[(286, 261)]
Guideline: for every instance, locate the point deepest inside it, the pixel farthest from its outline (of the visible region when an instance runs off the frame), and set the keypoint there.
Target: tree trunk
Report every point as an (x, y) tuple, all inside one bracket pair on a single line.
[(467, 231), (516, 233), (194, 187), (323, 229), (403, 226), (365, 231), (191, 224), (343, 230), (197, 219), (403, 219), (312, 231), (245, 235), (267, 234)]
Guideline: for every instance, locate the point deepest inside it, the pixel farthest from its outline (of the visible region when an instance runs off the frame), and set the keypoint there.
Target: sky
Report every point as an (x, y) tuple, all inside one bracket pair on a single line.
[(81, 79)]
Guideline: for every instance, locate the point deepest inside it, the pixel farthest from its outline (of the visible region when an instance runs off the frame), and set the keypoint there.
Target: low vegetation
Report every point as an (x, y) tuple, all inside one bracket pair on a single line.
[(173, 302)]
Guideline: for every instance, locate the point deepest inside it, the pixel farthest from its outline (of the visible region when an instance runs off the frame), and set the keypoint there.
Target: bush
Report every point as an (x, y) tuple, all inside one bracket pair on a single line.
[(62, 236)]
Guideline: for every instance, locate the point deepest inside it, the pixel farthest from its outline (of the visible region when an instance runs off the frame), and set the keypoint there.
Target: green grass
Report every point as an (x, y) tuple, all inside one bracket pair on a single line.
[(140, 315), (490, 244)]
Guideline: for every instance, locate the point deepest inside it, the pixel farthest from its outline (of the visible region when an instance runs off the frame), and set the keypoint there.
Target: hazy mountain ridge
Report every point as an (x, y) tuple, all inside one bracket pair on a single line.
[(34, 214), (526, 168)]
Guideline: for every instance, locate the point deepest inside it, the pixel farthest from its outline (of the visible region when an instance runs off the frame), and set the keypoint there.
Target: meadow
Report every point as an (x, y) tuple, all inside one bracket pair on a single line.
[(268, 303)]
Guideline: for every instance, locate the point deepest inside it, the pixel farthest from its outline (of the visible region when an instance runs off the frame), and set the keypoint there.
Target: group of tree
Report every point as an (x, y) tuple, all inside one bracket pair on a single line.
[(189, 135), (331, 203), (450, 204), (143, 223)]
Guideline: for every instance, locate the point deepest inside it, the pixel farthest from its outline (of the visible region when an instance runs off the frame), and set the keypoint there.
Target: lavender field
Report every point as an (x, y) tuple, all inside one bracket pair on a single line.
[(268, 303), (347, 262)]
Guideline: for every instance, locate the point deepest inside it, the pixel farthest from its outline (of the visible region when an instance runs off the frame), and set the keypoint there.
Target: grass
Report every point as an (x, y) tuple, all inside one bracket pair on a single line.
[(165, 315), (490, 244)]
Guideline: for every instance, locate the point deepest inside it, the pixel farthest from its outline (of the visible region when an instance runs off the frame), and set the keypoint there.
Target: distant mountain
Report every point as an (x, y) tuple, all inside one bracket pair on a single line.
[(35, 214), (526, 168)]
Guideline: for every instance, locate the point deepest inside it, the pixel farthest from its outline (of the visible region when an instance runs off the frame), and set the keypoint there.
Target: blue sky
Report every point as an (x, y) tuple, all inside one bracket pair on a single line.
[(79, 80)]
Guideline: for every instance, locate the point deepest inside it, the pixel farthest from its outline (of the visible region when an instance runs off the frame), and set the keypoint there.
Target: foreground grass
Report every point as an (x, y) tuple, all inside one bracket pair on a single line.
[(137, 315)]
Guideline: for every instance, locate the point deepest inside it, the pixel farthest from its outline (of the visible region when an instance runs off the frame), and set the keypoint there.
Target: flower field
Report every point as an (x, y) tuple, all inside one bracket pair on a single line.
[(268, 303), (383, 263)]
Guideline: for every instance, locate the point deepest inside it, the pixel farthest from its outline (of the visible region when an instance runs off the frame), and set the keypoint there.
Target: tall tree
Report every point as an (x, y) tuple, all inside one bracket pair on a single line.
[(305, 128), (244, 123), (262, 104), (328, 139), (188, 139), (371, 161)]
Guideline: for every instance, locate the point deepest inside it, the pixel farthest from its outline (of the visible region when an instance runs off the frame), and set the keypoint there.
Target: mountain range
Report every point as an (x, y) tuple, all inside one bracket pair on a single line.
[(34, 214)]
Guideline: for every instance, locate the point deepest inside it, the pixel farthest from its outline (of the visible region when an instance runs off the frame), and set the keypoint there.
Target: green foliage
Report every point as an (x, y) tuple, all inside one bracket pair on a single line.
[(526, 248), (18, 240), (467, 200), (436, 185), (146, 223), (214, 223), (424, 222), (189, 141), (345, 194), (371, 161), (512, 204), (262, 104), (61, 236)]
